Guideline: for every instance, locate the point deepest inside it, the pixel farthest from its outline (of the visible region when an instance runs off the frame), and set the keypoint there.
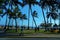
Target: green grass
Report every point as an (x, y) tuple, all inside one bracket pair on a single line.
[(19, 31), (12, 31), (30, 31), (27, 32)]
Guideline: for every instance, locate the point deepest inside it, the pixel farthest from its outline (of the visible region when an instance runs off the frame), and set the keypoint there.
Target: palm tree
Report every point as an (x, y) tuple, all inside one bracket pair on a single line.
[(15, 18), (9, 22), (54, 16), (42, 4), (1, 12), (22, 17), (11, 3), (46, 14), (47, 3), (13, 15), (7, 13), (58, 7), (10, 14), (16, 10), (29, 3), (19, 15), (15, 3), (59, 19), (34, 15)]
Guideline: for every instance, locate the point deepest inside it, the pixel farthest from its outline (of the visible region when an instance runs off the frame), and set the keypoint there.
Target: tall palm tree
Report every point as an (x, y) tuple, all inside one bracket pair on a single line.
[(34, 15), (9, 22), (43, 5), (29, 3), (46, 14), (10, 14), (19, 16), (16, 10), (7, 13), (22, 17)]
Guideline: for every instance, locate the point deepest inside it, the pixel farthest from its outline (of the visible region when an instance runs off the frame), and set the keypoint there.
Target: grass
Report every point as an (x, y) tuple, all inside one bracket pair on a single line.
[(30, 31), (12, 31), (19, 31), (26, 32)]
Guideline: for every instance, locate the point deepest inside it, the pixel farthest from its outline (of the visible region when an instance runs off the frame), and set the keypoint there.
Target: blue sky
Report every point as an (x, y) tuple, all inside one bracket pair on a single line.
[(25, 10)]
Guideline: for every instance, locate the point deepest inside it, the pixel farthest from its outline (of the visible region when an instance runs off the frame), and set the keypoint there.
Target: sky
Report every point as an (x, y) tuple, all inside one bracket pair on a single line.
[(25, 10)]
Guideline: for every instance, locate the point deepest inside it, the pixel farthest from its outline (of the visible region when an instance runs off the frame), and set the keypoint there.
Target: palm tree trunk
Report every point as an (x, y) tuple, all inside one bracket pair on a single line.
[(47, 20), (12, 24), (50, 19), (35, 23), (6, 22), (54, 21), (28, 18), (22, 27), (22, 22), (32, 23), (9, 22), (34, 20), (47, 14), (44, 17), (16, 24)]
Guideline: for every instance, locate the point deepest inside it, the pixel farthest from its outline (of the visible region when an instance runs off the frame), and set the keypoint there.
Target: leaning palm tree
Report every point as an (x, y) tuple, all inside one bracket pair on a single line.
[(43, 5), (29, 3), (34, 15)]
